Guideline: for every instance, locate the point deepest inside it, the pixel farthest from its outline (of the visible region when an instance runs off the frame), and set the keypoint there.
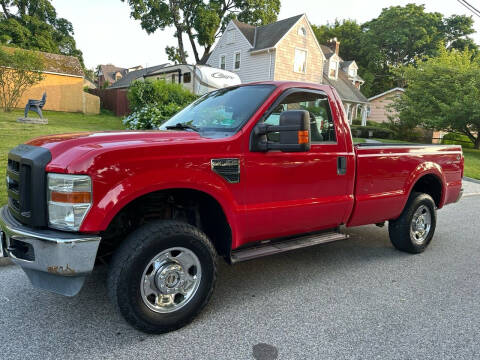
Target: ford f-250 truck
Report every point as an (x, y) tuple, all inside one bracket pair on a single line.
[(242, 172)]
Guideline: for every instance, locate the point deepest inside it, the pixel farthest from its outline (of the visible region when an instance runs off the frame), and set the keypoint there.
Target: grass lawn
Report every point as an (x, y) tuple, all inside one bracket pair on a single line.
[(13, 133), (472, 163)]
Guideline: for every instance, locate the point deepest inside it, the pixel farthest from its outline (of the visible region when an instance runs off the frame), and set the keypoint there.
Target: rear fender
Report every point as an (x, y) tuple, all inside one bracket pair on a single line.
[(425, 168)]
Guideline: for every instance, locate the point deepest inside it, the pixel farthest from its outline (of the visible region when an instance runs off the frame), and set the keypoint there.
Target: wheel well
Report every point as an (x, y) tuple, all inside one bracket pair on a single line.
[(192, 206), (430, 184)]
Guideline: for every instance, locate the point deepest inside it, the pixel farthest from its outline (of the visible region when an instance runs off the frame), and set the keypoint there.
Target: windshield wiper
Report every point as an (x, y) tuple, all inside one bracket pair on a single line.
[(182, 126)]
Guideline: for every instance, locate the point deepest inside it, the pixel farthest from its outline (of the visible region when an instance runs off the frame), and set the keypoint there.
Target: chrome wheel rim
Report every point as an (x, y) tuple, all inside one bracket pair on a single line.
[(421, 224), (170, 280)]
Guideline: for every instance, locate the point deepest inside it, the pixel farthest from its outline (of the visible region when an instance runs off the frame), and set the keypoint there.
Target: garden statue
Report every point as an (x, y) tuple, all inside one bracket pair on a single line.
[(36, 105)]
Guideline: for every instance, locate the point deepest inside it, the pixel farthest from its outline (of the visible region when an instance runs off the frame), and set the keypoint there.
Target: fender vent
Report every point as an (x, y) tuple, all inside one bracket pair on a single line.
[(229, 169)]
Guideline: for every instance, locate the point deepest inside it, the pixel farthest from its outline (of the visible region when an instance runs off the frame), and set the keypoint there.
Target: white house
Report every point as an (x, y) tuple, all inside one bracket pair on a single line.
[(288, 50)]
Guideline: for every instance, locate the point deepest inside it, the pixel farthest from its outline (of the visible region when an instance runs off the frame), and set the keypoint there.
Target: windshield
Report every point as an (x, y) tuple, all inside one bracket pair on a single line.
[(222, 112)]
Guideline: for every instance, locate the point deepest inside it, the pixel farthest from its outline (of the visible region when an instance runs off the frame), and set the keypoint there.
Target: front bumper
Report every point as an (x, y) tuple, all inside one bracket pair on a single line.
[(53, 260)]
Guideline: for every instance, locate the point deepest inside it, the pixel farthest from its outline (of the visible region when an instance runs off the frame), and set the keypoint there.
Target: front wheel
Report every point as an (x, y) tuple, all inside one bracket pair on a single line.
[(162, 276), (414, 229)]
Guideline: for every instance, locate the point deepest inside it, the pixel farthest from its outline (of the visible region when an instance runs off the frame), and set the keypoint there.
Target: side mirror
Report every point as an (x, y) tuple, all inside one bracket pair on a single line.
[(294, 131)]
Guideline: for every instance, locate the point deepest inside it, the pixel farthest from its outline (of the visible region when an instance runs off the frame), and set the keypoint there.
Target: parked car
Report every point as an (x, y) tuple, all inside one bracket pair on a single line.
[(243, 172)]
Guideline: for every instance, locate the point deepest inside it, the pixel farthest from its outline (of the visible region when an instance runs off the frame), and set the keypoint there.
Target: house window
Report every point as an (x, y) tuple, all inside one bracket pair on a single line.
[(222, 61), (300, 63), (333, 69), (352, 72), (302, 31), (230, 36), (237, 61), (187, 78)]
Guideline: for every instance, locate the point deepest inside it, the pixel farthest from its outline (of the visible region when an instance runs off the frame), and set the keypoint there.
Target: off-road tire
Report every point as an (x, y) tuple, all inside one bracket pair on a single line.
[(129, 262), (399, 229)]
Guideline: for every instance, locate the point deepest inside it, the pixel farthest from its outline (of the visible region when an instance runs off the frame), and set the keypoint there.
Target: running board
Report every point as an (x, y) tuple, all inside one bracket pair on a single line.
[(277, 247)]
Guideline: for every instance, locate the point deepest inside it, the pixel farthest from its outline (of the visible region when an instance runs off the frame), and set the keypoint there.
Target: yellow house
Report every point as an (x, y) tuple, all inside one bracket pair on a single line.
[(63, 82)]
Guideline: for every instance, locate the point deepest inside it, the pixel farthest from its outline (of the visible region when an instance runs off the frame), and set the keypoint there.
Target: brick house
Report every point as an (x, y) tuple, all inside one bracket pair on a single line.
[(110, 73), (288, 50), (380, 111), (379, 105)]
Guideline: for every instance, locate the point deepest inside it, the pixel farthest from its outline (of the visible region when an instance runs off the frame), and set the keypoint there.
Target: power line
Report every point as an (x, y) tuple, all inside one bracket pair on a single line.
[(470, 7)]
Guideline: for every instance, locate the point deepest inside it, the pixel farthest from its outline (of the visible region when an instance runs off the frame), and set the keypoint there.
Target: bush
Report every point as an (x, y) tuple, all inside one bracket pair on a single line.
[(378, 132), (457, 139), (151, 116), (154, 102)]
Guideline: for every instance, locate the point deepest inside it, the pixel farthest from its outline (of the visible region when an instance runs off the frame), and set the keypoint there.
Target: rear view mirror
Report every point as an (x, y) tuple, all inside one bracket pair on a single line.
[(293, 129)]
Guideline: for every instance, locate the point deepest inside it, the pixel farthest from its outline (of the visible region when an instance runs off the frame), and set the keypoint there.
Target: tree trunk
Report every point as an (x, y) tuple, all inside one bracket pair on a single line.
[(477, 143), (175, 10), (181, 49), (192, 43)]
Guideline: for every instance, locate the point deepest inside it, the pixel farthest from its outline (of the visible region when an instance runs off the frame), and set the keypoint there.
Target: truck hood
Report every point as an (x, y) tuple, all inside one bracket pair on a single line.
[(66, 148)]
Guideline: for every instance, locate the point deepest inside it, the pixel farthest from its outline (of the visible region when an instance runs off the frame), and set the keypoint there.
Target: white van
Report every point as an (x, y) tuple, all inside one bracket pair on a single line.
[(199, 79)]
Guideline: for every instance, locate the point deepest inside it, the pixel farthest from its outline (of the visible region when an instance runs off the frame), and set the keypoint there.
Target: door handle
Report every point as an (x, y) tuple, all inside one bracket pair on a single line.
[(341, 165)]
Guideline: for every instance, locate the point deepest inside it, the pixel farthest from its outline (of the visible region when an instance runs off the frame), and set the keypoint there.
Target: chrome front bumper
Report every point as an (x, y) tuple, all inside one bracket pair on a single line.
[(53, 260)]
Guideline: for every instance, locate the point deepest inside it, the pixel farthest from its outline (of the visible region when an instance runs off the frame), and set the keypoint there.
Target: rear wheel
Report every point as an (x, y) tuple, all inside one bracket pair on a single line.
[(414, 229), (162, 276)]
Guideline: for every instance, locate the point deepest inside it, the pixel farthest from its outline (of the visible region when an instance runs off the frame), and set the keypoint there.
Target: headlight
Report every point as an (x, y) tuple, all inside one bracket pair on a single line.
[(69, 199)]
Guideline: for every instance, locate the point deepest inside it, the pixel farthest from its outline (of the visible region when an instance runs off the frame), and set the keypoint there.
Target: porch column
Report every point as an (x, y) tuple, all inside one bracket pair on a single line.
[(364, 114), (349, 115)]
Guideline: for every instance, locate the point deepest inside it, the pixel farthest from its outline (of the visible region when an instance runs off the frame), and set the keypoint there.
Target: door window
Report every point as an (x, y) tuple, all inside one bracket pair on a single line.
[(322, 128)]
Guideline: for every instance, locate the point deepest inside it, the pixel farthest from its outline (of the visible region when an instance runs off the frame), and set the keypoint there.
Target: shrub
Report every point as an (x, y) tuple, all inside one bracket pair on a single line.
[(377, 132), (151, 116), (154, 102), (457, 139), (152, 92)]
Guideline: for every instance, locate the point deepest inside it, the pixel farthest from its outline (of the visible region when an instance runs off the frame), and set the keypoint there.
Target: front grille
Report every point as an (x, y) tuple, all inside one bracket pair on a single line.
[(26, 182), (13, 166)]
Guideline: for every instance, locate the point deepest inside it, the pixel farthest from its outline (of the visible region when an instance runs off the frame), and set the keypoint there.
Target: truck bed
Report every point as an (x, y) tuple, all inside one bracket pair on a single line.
[(386, 174)]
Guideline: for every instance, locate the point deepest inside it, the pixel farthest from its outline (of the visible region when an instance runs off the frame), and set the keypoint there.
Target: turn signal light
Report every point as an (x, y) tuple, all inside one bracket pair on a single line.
[(303, 137), (71, 198)]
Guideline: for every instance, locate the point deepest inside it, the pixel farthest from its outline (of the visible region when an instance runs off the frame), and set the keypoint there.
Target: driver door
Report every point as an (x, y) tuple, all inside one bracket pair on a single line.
[(289, 193)]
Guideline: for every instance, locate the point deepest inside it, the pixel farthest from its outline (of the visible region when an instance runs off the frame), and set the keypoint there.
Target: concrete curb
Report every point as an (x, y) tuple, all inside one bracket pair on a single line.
[(5, 262), (466, 178)]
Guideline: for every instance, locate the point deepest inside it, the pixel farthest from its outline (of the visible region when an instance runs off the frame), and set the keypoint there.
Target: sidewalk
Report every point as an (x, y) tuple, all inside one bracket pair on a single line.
[(471, 187)]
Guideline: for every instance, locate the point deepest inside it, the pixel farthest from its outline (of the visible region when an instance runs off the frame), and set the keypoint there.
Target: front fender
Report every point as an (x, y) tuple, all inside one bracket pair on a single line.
[(109, 204)]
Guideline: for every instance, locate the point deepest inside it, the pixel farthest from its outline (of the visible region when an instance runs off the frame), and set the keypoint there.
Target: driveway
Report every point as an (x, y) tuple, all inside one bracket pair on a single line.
[(355, 299)]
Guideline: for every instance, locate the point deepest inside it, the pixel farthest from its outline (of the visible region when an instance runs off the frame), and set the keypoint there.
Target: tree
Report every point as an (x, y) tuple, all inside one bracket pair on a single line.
[(401, 35), (443, 93), (398, 36), (202, 22), (19, 70), (34, 25)]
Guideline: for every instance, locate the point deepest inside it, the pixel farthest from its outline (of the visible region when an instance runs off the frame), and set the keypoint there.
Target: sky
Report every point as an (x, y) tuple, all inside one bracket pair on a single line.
[(106, 34)]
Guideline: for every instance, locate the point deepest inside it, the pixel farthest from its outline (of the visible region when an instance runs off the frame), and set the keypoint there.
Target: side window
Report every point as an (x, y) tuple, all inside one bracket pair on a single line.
[(322, 128)]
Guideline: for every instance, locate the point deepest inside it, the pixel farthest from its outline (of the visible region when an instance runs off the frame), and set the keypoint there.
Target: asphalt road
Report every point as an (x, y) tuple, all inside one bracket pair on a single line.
[(356, 299)]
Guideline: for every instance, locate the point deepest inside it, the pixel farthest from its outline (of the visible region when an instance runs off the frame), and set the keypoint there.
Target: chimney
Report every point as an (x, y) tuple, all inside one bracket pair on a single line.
[(334, 44)]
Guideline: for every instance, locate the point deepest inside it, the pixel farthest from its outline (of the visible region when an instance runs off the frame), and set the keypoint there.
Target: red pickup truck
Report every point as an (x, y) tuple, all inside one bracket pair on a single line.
[(242, 172)]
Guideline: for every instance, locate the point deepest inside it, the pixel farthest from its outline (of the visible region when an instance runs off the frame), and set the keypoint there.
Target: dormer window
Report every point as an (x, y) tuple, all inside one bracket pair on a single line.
[(333, 69), (352, 72), (302, 31), (230, 36)]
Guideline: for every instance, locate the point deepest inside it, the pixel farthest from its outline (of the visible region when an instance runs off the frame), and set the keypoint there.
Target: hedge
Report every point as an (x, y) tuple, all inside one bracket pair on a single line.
[(457, 139), (377, 132)]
